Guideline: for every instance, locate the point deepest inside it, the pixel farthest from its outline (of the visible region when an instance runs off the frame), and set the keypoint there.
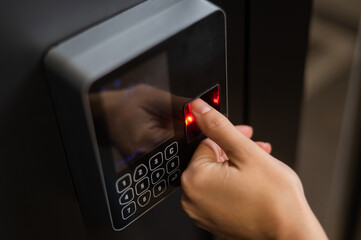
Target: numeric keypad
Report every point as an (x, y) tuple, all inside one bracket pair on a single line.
[(149, 180)]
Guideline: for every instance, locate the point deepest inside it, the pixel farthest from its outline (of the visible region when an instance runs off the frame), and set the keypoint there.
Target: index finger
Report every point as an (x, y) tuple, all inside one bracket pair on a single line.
[(218, 128)]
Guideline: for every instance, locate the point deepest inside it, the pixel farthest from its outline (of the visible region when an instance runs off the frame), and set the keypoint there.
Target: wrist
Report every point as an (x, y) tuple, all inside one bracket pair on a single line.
[(300, 224)]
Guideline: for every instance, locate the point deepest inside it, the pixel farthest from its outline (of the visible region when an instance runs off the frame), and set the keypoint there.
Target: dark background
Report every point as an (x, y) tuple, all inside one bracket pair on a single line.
[(266, 52)]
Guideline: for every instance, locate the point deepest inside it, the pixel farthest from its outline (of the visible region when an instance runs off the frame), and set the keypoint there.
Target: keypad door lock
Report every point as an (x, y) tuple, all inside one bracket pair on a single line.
[(121, 90)]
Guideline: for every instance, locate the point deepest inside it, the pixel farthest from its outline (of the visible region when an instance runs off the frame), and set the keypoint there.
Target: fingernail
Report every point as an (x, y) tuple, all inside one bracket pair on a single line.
[(199, 106)]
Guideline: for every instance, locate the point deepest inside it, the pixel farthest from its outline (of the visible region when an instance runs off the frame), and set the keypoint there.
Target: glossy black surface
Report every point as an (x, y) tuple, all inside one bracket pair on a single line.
[(267, 45), (138, 108), (38, 200), (277, 46)]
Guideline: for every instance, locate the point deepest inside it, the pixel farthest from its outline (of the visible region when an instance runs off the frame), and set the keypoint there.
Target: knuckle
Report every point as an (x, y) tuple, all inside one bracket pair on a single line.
[(194, 181), (292, 177), (185, 180)]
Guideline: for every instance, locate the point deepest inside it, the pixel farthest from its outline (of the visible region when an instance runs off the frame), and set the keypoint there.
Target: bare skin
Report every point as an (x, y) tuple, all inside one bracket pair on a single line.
[(235, 189)]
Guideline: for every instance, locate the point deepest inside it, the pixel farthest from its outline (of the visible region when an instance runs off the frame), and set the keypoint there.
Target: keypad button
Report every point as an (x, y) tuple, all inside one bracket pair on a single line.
[(142, 186), (171, 150), (144, 199), (159, 188), (156, 161), (140, 172), (157, 175), (127, 196), (129, 210), (173, 164), (174, 178), (123, 183)]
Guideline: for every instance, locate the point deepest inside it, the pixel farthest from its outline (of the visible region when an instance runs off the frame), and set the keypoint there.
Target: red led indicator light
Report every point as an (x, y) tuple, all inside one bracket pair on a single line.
[(189, 118), (215, 98), (192, 131)]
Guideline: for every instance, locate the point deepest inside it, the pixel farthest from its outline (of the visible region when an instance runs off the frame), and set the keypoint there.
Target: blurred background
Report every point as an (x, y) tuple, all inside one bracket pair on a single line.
[(332, 38), (266, 43)]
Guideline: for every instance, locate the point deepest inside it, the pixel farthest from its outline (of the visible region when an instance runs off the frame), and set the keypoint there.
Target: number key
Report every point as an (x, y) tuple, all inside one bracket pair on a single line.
[(140, 172), (159, 188), (157, 175), (156, 161), (144, 199), (142, 186), (173, 164), (129, 210), (127, 196), (123, 183)]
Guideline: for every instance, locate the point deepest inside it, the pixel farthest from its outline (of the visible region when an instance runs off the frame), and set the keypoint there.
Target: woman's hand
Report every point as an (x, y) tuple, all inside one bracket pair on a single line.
[(235, 189)]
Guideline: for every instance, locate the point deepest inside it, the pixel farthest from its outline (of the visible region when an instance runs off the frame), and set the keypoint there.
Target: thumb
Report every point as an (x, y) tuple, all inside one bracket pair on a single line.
[(218, 128)]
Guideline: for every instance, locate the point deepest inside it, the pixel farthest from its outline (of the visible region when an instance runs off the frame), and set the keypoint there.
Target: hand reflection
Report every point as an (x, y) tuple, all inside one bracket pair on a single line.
[(137, 118)]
